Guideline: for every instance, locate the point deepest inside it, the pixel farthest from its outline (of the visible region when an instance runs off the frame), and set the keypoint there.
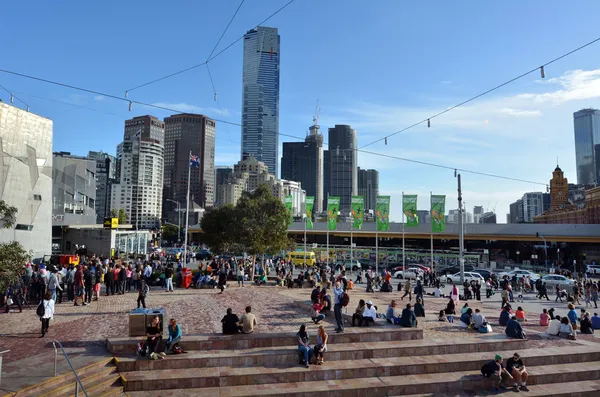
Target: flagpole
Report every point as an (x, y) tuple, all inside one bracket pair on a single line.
[(403, 254), (187, 212), (327, 228), (351, 248), (431, 220), (376, 249), (305, 220)]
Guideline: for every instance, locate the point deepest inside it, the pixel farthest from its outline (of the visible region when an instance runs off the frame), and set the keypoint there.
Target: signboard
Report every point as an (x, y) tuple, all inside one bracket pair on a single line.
[(111, 223)]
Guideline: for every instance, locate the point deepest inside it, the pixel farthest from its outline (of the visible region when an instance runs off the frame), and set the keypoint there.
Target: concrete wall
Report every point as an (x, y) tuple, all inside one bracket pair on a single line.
[(26, 177)]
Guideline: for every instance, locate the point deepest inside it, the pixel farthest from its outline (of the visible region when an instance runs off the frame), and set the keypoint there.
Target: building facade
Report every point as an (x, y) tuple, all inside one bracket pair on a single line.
[(141, 158), (303, 162), (73, 190), (368, 187), (260, 96), (221, 175), (106, 175), (477, 212), (587, 135), (185, 133), (488, 217), (533, 205), (26, 178), (454, 215), (340, 166)]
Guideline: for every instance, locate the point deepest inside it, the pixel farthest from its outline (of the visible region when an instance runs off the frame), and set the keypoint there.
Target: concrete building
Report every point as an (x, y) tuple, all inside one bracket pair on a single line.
[(488, 217), (340, 166), (477, 212), (106, 175), (140, 186), (533, 205), (516, 212), (221, 175), (260, 96), (368, 187), (184, 133), (424, 216), (453, 216), (73, 190), (303, 162), (26, 178), (586, 124)]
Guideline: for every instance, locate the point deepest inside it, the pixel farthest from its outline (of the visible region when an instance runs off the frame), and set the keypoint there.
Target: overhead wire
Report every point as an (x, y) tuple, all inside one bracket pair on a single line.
[(428, 119), (13, 97), (210, 58), (224, 31)]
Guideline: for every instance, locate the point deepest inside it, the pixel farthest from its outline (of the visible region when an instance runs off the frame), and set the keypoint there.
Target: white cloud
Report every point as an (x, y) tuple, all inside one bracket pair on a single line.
[(446, 82), (520, 113), (99, 98), (188, 108)]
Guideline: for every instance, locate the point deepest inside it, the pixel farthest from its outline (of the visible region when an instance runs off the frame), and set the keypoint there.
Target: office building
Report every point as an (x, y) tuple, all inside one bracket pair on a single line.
[(368, 187), (488, 217), (424, 216), (106, 175), (73, 190), (477, 212), (516, 212), (587, 134), (303, 162), (185, 133), (26, 178), (533, 205), (340, 166), (453, 216), (260, 96), (141, 160), (222, 173)]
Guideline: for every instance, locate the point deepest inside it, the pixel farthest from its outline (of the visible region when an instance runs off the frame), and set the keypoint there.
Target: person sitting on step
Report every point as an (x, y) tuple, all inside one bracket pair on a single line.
[(514, 329), (321, 346), (408, 318), (586, 324), (230, 323), (316, 314), (566, 329), (174, 336), (304, 347), (369, 315), (554, 326), (516, 368), (154, 337), (358, 313), (247, 321), (390, 315), (419, 308)]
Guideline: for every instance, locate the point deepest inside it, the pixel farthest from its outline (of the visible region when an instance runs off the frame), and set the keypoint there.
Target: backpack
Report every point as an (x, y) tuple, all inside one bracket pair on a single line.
[(345, 299), (41, 310), (489, 368), (178, 350), (141, 349)]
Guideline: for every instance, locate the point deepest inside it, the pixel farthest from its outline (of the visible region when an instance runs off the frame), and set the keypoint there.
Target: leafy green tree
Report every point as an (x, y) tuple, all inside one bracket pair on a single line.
[(220, 227), (12, 254), (169, 232), (122, 217)]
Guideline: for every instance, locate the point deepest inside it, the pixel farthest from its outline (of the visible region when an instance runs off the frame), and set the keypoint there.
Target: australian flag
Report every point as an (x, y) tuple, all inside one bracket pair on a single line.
[(194, 161)]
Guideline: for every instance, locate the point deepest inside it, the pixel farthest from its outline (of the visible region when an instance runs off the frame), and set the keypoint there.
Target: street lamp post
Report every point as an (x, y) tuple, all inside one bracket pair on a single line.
[(545, 248), (178, 219), (461, 235)]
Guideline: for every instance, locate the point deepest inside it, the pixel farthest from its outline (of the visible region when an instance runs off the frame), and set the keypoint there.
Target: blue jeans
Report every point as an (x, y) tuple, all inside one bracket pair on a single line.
[(318, 318), (450, 318), (306, 351), (53, 292), (337, 309), (240, 279)]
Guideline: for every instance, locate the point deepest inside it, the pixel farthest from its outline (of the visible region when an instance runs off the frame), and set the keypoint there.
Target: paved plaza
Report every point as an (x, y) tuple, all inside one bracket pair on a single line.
[(83, 330)]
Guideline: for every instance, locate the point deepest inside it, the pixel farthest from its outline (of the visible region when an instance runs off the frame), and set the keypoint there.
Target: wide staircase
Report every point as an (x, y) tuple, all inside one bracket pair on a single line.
[(379, 361), (99, 379)]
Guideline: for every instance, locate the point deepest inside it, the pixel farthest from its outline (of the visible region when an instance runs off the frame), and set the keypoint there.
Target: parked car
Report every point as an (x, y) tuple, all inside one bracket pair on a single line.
[(408, 273), (520, 274), (455, 269), (485, 273), (469, 276), (552, 280), (592, 269), (348, 265)]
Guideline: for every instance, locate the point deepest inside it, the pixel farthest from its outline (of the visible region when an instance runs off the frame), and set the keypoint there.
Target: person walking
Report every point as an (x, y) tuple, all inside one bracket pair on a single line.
[(142, 294), (122, 279), (337, 307), (70, 282), (407, 290), (48, 304), (89, 279), (79, 286), (169, 278)]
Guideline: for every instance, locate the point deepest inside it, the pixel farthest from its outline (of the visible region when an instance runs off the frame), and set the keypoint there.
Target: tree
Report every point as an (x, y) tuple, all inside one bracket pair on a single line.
[(169, 232), (12, 255), (122, 215), (221, 229)]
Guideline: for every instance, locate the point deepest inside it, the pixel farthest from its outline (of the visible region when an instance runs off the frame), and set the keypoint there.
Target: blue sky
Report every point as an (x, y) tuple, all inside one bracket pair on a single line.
[(378, 66)]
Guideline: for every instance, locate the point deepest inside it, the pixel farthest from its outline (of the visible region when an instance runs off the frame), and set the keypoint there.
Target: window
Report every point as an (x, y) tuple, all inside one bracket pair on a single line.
[(21, 226), (37, 197)]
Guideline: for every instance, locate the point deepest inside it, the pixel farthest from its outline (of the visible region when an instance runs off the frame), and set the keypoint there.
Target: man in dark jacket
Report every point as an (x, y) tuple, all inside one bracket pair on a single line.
[(89, 278), (408, 318)]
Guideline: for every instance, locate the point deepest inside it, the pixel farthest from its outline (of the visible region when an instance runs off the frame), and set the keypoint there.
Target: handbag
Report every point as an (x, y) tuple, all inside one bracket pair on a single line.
[(9, 301)]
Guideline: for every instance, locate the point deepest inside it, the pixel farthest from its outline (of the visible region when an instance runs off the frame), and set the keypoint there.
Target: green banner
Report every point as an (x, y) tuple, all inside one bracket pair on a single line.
[(438, 209), (333, 207), (310, 202), (287, 201), (409, 208), (358, 211), (383, 213)]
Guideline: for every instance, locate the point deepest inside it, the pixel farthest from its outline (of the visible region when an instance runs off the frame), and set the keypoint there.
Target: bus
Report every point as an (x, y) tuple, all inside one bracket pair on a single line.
[(297, 258)]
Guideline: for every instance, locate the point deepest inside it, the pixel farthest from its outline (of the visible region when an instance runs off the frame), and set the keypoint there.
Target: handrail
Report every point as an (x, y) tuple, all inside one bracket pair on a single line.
[(1, 353), (78, 384)]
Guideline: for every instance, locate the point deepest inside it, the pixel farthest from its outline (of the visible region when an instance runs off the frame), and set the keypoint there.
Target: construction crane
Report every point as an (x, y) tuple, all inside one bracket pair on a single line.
[(314, 129)]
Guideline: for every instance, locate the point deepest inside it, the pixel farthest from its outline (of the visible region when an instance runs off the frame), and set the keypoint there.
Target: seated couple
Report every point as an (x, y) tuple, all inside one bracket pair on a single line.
[(154, 337), (407, 319), (561, 327), (365, 313), (245, 324), (475, 321)]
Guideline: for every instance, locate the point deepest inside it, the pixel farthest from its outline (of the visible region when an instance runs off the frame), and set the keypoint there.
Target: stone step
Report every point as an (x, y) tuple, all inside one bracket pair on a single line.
[(286, 355), (247, 341), (88, 380), (445, 383), (366, 368), (103, 386), (47, 387)]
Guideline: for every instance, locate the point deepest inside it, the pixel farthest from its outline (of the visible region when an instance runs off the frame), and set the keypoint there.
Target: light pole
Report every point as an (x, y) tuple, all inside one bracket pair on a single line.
[(461, 235), (545, 248), (178, 219)]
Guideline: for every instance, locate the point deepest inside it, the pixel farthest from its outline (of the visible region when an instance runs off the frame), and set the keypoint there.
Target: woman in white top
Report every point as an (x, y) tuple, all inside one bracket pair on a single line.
[(48, 304)]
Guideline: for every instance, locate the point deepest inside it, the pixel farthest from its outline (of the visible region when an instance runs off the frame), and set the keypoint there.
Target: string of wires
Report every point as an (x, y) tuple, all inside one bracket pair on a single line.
[(13, 97)]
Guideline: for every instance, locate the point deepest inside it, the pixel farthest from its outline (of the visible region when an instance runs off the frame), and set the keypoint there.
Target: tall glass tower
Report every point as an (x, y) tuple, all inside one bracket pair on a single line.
[(587, 134), (260, 96)]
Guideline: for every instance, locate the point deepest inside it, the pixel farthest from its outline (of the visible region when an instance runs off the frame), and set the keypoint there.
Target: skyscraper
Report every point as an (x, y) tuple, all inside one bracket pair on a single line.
[(477, 212), (184, 133), (222, 174), (587, 134), (106, 174), (368, 187), (303, 162), (260, 96), (140, 157), (340, 176)]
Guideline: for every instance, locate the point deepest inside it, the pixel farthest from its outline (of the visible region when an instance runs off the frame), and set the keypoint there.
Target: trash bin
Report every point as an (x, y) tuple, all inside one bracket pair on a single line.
[(186, 277), (137, 322)]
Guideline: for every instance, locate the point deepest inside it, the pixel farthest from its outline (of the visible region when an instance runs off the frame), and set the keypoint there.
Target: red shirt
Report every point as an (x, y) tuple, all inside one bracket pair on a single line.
[(79, 276), (116, 273)]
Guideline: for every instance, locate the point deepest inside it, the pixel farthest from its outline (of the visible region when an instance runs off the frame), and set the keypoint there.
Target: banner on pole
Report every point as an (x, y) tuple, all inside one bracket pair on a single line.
[(409, 207), (358, 211), (310, 202), (287, 201), (438, 209), (333, 207), (383, 213)]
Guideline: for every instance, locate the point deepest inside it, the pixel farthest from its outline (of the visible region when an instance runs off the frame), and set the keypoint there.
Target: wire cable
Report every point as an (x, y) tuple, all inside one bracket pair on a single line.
[(427, 120), (12, 95), (225, 31), (209, 58)]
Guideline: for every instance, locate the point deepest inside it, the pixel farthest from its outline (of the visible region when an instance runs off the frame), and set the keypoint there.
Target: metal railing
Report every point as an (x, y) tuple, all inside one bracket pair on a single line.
[(78, 383), (1, 353)]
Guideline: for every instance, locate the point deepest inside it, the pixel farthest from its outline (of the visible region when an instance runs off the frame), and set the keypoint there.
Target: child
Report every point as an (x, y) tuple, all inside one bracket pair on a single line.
[(442, 317), (519, 291)]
